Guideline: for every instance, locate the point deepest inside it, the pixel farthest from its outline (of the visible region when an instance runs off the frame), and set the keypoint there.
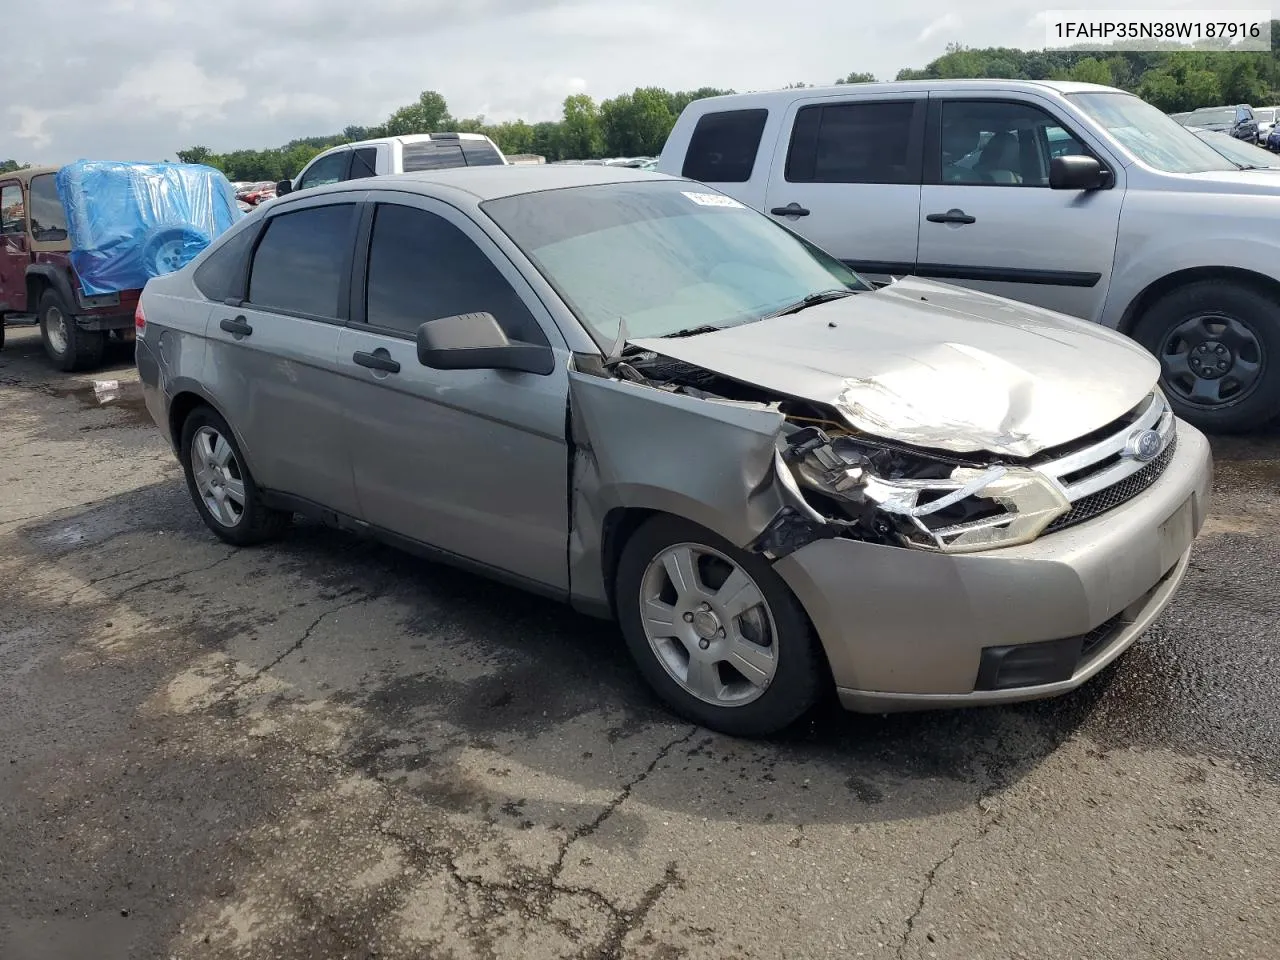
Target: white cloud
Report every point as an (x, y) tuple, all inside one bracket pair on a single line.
[(944, 27)]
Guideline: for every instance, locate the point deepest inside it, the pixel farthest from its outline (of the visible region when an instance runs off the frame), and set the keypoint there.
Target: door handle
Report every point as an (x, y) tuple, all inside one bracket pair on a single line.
[(951, 216), (790, 210), (376, 361), (237, 327)]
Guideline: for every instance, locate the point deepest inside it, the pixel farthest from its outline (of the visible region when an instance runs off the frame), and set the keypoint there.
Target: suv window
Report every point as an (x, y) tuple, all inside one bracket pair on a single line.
[(48, 219), (432, 155), (326, 170), (723, 146), (422, 267), (1001, 144), (221, 276), (299, 263), (867, 142), (364, 163), (13, 213), (480, 153)]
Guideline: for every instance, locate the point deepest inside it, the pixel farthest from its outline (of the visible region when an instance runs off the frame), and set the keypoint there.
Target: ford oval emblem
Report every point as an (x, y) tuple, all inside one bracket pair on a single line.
[(1143, 445)]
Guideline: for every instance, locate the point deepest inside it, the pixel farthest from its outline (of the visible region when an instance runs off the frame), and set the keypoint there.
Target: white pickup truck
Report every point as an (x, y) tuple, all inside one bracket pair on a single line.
[(416, 151), (1072, 196)]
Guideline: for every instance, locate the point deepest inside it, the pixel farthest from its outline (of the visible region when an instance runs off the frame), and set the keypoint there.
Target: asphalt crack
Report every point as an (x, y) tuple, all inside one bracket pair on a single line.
[(306, 634), (588, 829), (134, 588)]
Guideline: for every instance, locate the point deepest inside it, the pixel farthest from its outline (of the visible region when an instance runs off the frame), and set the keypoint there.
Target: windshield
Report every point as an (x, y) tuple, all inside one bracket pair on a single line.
[(1152, 137), (1245, 154), (665, 256), (1212, 116)]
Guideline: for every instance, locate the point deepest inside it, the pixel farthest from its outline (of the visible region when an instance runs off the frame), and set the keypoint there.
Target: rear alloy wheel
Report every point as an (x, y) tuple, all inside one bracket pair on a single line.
[(220, 484), (715, 630), (67, 345), (1218, 344)]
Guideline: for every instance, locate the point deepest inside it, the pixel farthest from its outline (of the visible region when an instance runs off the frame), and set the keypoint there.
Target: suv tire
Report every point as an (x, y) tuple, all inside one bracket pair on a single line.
[(1218, 343), (69, 347), (762, 619), (223, 490)]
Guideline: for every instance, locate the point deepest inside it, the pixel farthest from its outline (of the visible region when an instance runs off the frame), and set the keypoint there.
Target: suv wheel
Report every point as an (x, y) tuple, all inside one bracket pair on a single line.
[(220, 484), (1218, 344), (69, 347), (714, 630)]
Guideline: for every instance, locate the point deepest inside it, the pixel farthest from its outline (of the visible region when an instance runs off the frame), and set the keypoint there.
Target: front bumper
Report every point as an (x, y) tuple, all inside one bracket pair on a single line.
[(907, 629)]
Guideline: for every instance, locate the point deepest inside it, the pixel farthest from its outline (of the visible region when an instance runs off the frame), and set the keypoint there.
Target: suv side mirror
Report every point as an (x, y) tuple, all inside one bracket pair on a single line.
[(475, 341), (1077, 172), (283, 187)]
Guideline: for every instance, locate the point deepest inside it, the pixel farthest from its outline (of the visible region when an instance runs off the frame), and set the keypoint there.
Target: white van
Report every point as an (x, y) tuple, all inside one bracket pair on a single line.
[(1076, 197), (416, 151)]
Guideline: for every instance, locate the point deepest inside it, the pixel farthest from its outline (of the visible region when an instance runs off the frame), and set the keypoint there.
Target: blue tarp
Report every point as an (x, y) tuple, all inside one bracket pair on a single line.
[(129, 222)]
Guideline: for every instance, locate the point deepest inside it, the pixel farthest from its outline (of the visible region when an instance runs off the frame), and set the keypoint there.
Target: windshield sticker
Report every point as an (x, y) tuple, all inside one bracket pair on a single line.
[(711, 199)]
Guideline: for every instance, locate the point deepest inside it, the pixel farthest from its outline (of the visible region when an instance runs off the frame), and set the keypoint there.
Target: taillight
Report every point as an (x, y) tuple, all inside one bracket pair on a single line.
[(139, 321)]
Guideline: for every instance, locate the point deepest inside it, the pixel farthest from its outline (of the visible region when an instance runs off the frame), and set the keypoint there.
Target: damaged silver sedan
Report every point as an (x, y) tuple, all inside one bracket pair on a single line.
[(634, 394)]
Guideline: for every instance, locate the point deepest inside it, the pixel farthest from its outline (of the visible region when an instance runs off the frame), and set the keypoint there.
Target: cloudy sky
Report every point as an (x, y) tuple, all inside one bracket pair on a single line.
[(141, 79)]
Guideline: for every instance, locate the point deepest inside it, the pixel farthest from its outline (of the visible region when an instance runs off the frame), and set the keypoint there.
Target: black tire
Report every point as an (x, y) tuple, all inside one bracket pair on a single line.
[(257, 523), (1240, 409), (800, 668), (69, 347)]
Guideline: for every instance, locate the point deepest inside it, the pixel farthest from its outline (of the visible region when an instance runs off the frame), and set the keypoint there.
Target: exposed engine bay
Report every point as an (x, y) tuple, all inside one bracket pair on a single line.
[(846, 483)]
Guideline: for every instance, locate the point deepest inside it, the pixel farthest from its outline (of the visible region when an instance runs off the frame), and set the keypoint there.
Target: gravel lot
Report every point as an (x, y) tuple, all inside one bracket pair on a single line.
[(325, 748)]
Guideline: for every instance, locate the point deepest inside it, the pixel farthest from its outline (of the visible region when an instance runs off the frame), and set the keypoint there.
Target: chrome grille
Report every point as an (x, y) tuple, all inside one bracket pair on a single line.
[(1101, 476)]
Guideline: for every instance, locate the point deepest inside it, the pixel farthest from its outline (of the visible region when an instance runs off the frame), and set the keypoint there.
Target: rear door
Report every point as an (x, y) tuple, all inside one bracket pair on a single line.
[(847, 177), (324, 170), (473, 462), (274, 355), (14, 254), (988, 219)]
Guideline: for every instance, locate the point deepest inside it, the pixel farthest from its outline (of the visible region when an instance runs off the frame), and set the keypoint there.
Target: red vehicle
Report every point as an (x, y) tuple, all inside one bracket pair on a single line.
[(38, 284)]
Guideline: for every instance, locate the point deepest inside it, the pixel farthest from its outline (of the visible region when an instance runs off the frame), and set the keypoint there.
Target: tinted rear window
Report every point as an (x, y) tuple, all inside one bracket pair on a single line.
[(432, 155), (221, 275), (364, 163), (723, 146), (480, 153), (865, 142), (299, 263), (48, 219)]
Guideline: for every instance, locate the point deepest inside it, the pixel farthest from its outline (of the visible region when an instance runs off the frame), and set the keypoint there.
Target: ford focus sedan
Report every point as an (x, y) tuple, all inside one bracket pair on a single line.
[(629, 392)]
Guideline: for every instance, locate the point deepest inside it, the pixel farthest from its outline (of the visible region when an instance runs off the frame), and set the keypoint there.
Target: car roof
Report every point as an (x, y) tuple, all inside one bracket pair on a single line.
[(902, 86), (418, 138), (26, 174), (492, 182)]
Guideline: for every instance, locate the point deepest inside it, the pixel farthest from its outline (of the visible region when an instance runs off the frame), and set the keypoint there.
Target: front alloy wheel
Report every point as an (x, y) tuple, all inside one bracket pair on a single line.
[(714, 630), (709, 625)]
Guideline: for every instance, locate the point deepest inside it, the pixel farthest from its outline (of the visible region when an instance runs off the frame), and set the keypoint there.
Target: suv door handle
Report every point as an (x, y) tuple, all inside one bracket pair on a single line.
[(951, 216), (376, 361), (790, 210), (237, 327)]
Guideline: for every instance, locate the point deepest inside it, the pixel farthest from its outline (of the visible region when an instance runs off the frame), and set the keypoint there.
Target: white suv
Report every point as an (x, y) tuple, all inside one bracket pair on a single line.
[(417, 151), (1072, 196)]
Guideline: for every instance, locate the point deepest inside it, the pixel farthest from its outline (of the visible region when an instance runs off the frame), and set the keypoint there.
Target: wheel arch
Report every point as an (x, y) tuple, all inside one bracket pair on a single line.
[(185, 400), (1181, 278), (45, 276)]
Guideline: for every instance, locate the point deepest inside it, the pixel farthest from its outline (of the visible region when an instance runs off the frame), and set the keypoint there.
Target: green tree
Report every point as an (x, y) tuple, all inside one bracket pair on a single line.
[(581, 132), (428, 114), (514, 136), (9, 166), (857, 77), (195, 155), (1090, 70), (636, 123)]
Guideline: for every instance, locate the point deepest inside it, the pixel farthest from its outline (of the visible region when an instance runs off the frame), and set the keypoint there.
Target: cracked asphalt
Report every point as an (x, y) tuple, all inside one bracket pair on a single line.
[(323, 748)]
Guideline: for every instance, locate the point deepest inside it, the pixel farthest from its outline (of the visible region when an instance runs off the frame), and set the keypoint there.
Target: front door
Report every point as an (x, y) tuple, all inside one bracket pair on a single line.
[(275, 355), (473, 462), (847, 177), (988, 219), (14, 254)]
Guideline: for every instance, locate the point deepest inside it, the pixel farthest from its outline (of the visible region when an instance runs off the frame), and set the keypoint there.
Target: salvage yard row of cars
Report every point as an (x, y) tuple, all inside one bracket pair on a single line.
[(846, 347)]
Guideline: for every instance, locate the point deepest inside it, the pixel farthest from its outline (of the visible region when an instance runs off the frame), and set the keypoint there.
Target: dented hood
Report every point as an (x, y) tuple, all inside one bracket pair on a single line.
[(938, 366)]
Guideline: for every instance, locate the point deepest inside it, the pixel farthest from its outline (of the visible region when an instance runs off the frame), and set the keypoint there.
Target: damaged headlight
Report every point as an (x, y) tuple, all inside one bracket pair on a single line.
[(950, 509)]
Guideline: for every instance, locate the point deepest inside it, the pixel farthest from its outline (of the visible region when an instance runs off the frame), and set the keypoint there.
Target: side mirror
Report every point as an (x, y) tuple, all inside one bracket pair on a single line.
[(475, 341), (283, 187), (1077, 173)]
